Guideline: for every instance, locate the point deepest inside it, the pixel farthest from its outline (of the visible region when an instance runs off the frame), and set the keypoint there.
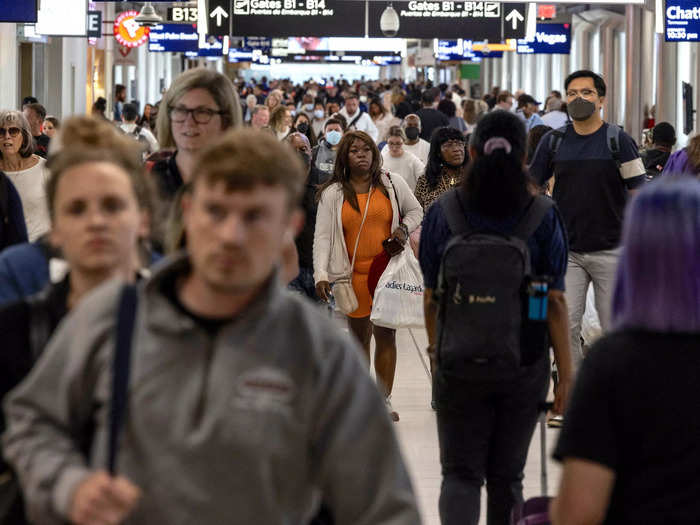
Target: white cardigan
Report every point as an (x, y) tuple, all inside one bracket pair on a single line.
[(331, 260)]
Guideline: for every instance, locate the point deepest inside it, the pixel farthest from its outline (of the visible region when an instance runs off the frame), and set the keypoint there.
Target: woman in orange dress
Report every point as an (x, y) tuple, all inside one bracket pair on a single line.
[(392, 212)]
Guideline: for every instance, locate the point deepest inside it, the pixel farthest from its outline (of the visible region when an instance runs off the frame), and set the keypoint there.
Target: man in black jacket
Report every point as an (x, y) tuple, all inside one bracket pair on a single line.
[(430, 117)]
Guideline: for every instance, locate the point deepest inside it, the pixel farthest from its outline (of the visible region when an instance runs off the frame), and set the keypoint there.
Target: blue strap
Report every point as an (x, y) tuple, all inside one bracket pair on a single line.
[(121, 366)]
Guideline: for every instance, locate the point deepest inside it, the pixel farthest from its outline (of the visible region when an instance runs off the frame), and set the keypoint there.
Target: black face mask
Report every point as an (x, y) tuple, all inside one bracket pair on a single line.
[(412, 133), (581, 109), (302, 128)]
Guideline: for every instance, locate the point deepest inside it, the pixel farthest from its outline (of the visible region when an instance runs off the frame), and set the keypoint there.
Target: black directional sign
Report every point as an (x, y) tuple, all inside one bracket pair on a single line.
[(94, 24), (182, 14), (514, 20), (219, 17)]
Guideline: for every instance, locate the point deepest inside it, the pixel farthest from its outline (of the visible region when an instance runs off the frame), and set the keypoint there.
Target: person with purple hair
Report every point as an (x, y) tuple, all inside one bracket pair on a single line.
[(630, 438)]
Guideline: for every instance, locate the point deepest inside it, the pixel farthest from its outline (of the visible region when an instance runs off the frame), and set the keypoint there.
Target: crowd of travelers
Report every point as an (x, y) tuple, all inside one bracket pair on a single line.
[(172, 280)]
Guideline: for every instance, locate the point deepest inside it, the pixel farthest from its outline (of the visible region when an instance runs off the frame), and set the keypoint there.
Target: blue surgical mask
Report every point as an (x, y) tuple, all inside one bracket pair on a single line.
[(333, 137), (319, 113), (309, 107)]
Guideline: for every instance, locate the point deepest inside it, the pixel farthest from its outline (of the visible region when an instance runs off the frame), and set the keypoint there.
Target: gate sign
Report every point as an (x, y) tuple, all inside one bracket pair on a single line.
[(549, 39), (449, 20), (183, 14), (18, 11), (682, 21), (284, 18), (94, 24), (128, 32)]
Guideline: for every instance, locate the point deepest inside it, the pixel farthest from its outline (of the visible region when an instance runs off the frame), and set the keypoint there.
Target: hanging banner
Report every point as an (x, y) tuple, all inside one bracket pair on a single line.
[(682, 21), (549, 39), (128, 32)]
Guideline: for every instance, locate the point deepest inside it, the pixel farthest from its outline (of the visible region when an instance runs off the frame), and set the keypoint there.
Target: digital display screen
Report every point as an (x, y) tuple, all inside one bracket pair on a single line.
[(275, 18), (450, 20), (175, 38), (549, 39), (18, 10), (682, 21)]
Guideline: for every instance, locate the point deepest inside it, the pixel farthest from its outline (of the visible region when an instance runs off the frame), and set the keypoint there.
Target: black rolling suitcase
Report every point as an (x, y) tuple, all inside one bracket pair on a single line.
[(535, 511)]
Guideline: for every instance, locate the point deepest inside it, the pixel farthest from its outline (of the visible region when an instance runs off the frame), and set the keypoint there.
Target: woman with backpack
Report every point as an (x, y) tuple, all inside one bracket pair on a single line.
[(491, 354), (363, 212)]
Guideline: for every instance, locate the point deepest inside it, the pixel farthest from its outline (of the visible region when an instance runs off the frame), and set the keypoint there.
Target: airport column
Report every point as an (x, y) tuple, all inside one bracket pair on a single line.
[(634, 118), (667, 81), (612, 69), (9, 96)]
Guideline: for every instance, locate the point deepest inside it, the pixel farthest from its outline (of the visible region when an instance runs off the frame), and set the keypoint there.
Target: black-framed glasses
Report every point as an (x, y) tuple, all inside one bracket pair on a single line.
[(13, 132), (200, 115)]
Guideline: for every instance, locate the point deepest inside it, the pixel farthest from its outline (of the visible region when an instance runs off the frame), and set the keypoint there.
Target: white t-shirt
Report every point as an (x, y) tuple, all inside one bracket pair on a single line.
[(30, 186), (407, 165), (130, 129), (364, 123), (420, 149)]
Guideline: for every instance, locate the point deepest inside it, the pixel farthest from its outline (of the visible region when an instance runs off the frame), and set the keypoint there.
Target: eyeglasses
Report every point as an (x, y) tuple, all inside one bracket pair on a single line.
[(13, 132), (395, 144), (585, 93), (453, 144), (200, 115)]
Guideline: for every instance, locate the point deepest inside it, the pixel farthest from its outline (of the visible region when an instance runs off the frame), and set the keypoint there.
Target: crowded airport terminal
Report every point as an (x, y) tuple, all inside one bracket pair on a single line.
[(349, 262)]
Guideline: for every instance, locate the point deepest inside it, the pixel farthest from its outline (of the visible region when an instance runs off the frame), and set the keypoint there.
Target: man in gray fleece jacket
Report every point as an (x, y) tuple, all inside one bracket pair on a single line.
[(245, 404)]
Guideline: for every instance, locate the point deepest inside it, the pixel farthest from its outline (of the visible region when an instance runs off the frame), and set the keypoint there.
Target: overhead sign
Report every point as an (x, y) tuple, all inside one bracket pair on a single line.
[(257, 42), (682, 21), (456, 50), (128, 32), (219, 18), (550, 39), (62, 18), (183, 14), (18, 11), (175, 38), (514, 20), (546, 11), (283, 18), (448, 20), (211, 49), (94, 24)]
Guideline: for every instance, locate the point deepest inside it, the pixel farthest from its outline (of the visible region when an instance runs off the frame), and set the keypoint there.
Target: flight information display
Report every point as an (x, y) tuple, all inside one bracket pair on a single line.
[(549, 39), (176, 38), (682, 21), (275, 18)]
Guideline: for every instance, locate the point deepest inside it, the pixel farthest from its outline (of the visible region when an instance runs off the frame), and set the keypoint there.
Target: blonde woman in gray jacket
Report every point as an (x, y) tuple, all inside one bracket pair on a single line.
[(363, 212)]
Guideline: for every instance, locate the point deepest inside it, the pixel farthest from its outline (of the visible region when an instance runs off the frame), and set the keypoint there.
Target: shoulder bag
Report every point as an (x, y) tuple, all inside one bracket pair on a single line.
[(343, 292)]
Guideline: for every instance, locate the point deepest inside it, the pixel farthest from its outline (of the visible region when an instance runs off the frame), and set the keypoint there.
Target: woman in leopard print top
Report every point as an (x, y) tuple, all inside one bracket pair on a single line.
[(445, 168)]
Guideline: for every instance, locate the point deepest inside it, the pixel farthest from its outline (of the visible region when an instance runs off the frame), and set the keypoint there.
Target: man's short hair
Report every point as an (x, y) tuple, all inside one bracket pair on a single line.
[(130, 112), (118, 88), (258, 108), (553, 104), (664, 134), (413, 116), (351, 94), (36, 108), (428, 96), (245, 158), (598, 81), (29, 100), (503, 96), (337, 119)]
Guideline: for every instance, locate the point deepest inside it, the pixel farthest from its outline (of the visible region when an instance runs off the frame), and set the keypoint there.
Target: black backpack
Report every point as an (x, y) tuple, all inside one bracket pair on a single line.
[(484, 289)]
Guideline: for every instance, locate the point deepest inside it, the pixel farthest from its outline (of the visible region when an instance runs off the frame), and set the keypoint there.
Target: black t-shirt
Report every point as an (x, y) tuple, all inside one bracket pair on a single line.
[(429, 120), (590, 189), (42, 145), (211, 325), (654, 161), (636, 409)]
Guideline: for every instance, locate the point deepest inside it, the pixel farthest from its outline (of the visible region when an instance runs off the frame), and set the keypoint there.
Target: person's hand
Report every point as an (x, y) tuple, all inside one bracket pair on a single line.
[(103, 500), (561, 395), (400, 235), (323, 290)]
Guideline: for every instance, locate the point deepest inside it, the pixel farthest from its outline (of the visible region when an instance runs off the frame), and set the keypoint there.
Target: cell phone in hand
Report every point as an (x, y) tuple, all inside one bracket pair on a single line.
[(392, 246)]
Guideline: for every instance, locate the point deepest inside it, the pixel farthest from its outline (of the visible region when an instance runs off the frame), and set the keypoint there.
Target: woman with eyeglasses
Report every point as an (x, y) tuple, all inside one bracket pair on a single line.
[(445, 168), (397, 160), (198, 107), (26, 170)]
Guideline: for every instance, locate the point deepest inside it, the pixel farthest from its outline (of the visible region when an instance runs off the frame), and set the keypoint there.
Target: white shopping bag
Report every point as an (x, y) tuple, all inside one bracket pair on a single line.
[(590, 323), (398, 299)]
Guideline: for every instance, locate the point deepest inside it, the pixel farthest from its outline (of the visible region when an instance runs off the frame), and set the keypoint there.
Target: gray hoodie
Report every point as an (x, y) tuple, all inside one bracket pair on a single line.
[(255, 425)]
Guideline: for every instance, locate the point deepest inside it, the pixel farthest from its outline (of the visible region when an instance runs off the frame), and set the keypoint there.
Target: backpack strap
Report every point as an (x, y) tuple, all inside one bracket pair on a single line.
[(555, 140), (454, 212), (354, 121), (613, 139), (537, 209), (121, 366)]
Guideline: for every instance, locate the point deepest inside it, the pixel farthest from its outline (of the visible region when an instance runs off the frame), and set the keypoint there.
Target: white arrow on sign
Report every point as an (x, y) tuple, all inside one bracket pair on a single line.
[(516, 17), (218, 13)]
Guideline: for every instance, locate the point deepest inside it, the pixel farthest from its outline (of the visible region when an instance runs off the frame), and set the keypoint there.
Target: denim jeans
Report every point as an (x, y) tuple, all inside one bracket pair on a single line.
[(583, 268), (484, 430), (304, 284)]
